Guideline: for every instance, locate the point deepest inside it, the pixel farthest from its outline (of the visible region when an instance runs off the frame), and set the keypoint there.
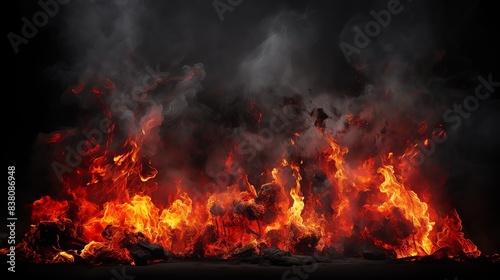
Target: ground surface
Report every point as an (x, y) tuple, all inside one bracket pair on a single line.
[(337, 269)]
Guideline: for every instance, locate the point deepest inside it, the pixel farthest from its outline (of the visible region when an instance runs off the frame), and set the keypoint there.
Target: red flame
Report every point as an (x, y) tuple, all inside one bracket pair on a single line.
[(112, 201)]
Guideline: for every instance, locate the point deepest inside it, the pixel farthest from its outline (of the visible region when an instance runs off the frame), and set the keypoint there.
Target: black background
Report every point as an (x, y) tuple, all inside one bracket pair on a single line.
[(467, 30)]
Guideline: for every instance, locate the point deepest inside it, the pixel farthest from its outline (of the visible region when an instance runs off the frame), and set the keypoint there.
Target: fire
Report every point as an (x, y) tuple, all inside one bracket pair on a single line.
[(117, 202), (414, 210), (295, 212)]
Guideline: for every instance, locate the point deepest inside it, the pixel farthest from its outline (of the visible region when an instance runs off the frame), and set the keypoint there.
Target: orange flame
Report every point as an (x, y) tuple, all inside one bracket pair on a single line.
[(112, 201)]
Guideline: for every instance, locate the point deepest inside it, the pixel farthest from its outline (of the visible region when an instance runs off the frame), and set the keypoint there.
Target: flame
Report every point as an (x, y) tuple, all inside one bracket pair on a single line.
[(112, 202), (295, 211), (63, 257), (413, 210)]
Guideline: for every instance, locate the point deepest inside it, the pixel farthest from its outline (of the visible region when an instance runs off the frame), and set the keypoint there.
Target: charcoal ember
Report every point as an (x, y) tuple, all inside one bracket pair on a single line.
[(217, 210), (395, 228), (306, 245), (445, 254), (128, 239), (356, 246), (331, 252), (198, 251), (267, 194), (140, 256), (255, 211), (249, 209), (108, 232), (353, 247), (48, 233), (378, 254), (275, 237), (244, 252), (210, 234), (440, 254), (60, 235), (274, 254), (156, 250), (144, 253), (391, 254), (240, 208)]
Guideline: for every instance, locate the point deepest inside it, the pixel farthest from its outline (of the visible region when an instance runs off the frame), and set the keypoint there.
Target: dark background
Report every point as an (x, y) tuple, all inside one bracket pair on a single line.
[(464, 32)]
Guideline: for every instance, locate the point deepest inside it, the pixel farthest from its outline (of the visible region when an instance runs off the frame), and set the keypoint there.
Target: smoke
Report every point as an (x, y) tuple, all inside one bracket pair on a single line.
[(269, 67), (168, 81)]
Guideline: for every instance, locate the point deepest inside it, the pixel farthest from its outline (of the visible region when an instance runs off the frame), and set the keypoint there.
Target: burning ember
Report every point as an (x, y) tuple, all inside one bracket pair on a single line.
[(116, 206)]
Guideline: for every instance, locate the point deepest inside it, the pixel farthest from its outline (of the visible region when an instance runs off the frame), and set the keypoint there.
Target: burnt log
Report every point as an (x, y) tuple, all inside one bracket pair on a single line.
[(306, 245), (378, 254), (144, 253), (252, 211), (245, 254), (44, 242)]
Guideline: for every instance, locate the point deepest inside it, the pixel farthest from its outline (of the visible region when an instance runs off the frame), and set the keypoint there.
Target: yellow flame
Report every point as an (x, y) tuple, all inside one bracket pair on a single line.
[(294, 213), (413, 208)]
